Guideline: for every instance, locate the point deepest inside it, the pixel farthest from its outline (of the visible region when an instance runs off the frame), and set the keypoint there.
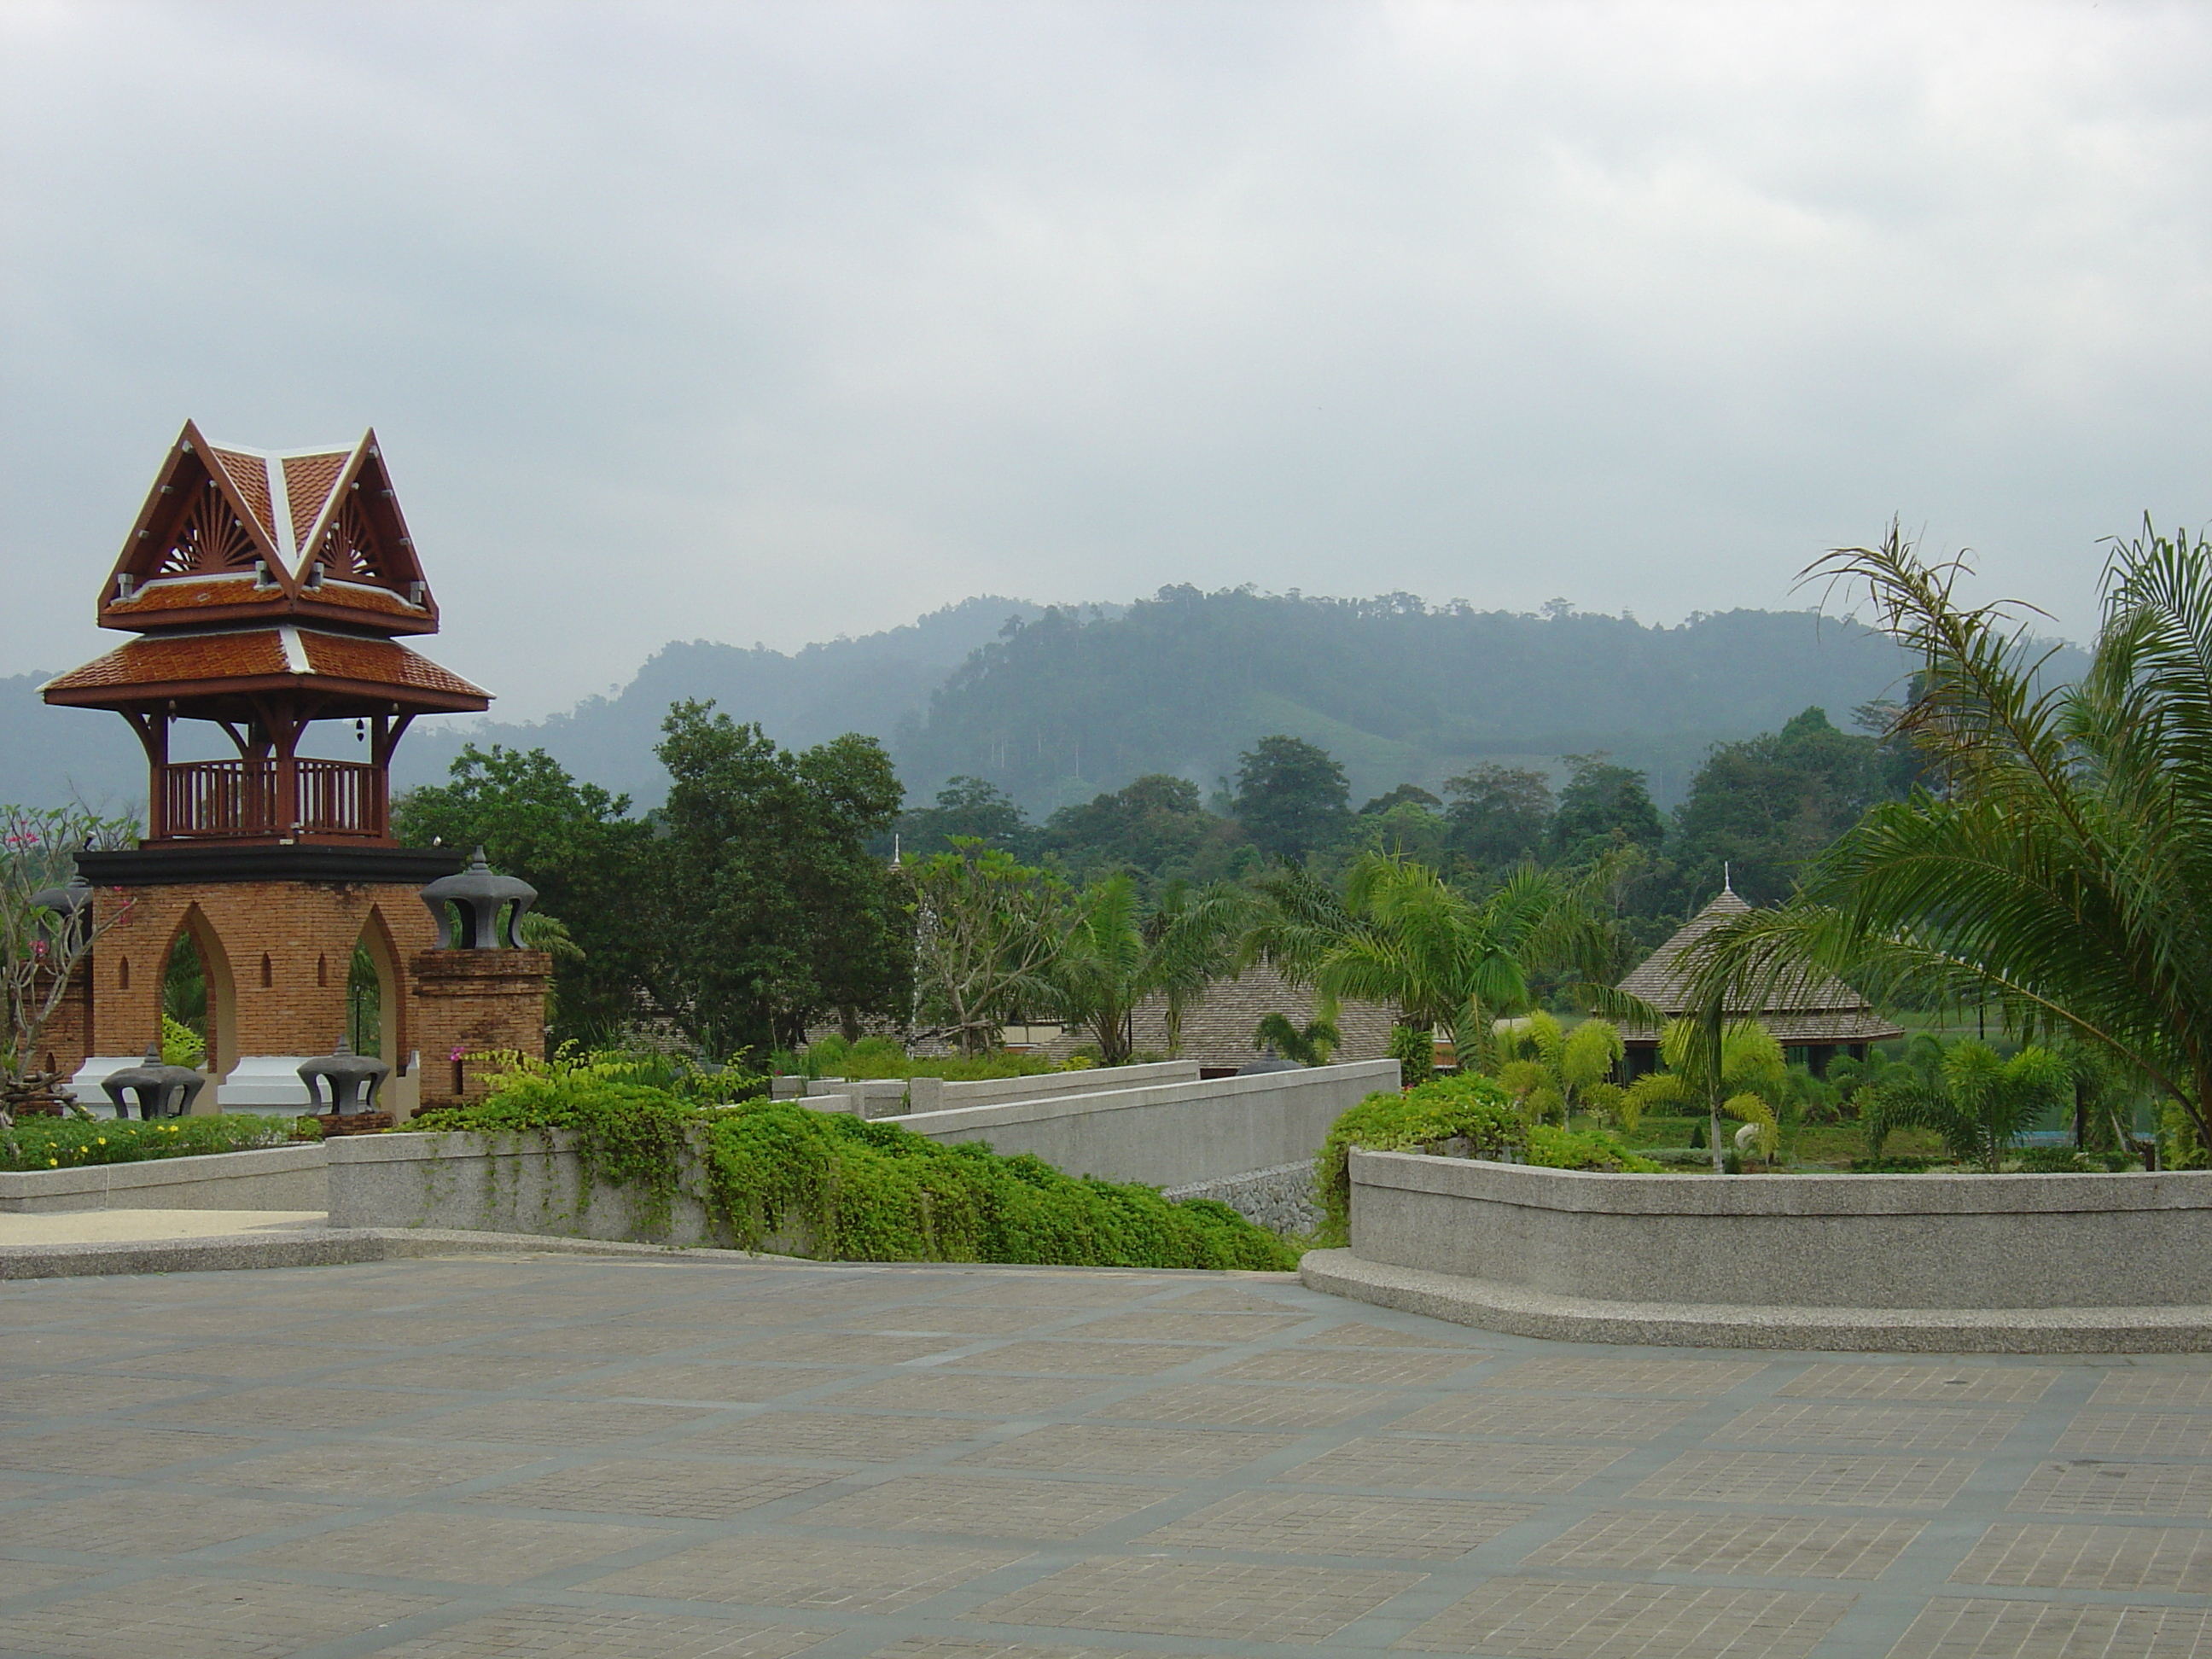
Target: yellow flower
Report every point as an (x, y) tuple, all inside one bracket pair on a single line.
[(103, 1140), (51, 1162)]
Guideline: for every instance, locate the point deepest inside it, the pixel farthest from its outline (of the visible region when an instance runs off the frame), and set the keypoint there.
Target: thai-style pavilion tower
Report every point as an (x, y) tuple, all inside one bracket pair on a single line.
[(268, 593), (1816, 1013)]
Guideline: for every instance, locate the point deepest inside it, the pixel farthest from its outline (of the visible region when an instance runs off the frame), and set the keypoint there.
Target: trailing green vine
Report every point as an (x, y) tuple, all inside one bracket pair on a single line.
[(845, 1188)]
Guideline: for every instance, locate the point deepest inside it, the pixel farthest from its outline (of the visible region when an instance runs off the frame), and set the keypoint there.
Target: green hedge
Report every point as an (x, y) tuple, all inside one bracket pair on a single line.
[(1465, 1109), (70, 1143), (865, 1191)]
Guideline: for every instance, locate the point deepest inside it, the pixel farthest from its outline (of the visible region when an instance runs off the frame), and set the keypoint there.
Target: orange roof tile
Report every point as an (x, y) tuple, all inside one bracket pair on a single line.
[(308, 480), (343, 657), (167, 659), (250, 476)]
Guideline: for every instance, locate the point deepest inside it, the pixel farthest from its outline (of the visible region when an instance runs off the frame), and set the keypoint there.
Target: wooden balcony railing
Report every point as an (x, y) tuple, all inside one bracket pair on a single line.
[(269, 799)]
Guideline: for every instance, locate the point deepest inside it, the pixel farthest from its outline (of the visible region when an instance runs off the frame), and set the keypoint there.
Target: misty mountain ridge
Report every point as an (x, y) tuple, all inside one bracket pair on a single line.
[(1056, 704)]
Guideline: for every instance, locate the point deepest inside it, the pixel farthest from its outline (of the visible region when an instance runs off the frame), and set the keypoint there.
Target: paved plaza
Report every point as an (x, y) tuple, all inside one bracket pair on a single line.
[(649, 1459)]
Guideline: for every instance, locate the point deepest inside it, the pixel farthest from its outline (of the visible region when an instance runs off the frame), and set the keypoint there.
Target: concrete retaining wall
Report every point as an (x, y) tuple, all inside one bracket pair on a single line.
[(273, 1178), (1856, 1242), (934, 1094), (525, 1184), (1170, 1134)]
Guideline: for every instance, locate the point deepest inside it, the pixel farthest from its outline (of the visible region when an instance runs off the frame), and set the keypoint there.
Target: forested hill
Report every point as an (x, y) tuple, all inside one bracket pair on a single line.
[(1064, 704), (1062, 708), (867, 685)]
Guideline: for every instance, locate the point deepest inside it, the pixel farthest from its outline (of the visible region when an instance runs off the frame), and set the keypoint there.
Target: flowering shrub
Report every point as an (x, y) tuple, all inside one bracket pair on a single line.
[(55, 1143)]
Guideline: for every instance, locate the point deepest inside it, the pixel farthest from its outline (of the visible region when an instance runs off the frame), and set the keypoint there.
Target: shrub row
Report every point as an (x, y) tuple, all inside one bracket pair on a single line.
[(1469, 1115), (860, 1190), (69, 1143)]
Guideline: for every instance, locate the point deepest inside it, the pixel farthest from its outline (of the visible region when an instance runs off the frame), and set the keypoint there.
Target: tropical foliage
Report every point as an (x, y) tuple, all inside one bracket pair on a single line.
[(1730, 1070), (1553, 1072), (845, 1188), (1980, 1103), (2056, 867)]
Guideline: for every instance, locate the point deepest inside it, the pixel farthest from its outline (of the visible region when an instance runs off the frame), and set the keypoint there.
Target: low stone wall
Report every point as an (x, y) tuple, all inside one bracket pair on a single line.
[(1281, 1198), (1171, 1135), (1252, 1136), (2020, 1262), (271, 1178), (528, 1184), (932, 1094)]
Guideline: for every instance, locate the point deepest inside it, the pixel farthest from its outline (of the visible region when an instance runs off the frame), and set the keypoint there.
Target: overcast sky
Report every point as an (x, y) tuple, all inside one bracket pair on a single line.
[(772, 322)]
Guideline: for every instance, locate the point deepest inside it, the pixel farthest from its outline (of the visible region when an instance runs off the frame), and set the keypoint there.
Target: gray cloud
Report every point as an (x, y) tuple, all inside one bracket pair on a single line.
[(772, 322)]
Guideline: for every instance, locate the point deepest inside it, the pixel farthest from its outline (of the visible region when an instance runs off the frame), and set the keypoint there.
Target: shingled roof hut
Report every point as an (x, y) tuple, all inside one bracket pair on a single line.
[(1817, 1013)]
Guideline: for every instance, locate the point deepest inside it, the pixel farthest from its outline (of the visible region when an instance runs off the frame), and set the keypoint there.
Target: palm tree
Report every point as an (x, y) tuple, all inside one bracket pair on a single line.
[(1547, 1068), (1978, 1103), (1311, 1044), (1408, 938), (1732, 1069), (2061, 868), (1113, 957)]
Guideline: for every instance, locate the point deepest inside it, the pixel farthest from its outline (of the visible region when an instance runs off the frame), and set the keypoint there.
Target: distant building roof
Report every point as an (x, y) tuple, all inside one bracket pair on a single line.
[(1812, 1007)]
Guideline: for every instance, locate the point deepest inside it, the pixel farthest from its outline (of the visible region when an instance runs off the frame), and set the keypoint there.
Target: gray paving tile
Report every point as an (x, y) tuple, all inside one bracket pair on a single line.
[(979, 1505), (1959, 1628), (467, 1549), (1601, 1374), (1229, 1601), (377, 1469), (709, 1381), (204, 1617), (1412, 1465), (1055, 1356), (1539, 1417), (583, 1633), (1112, 1449), (2138, 1434), (1341, 1523), (1248, 1405), (132, 1522), (1551, 1618), (830, 1436), (2088, 1487), (829, 1574), (824, 1482), (697, 1490), (115, 1451), (2170, 1387), (1872, 1428), (1836, 1479), (2093, 1558), (1619, 1542), (1951, 1382)]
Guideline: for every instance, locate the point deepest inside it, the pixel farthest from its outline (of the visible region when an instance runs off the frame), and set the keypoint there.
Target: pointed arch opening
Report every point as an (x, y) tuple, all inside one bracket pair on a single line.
[(374, 1001), (199, 992)]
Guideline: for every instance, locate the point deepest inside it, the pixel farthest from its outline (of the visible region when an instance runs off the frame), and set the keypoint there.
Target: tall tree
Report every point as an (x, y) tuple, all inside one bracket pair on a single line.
[(2065, 876), (1604, 806), (967, 807), (1409, 938), (1498, 814), (41, 941), (772, 911), (986, 931), (591, 862), (1292, 797), (1155, 825), (1763, 807)]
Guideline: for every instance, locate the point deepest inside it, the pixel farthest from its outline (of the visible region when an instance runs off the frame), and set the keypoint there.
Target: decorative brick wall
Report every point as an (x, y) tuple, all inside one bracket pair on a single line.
[(277, 953), (474, 1002)]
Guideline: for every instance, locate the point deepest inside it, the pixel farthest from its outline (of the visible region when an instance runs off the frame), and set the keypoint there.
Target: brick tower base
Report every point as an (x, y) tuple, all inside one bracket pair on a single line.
[(476, 1002)]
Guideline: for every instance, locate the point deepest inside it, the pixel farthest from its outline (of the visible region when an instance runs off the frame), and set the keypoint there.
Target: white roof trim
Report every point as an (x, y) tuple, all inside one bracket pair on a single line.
[(280, 508), (296, 652)]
